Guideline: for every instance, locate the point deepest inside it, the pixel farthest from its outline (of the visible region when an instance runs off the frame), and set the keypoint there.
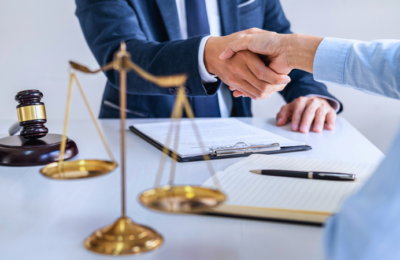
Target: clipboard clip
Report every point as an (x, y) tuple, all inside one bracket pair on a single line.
[(243, 148)]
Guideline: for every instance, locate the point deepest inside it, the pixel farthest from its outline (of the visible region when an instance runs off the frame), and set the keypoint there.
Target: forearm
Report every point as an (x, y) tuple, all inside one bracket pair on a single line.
[(367, 66)]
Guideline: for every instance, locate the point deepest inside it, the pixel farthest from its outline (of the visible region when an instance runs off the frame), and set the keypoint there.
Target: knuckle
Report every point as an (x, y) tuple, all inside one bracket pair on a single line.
[(253, 30), (264, 87), (276, 81), (283, 109), (320, 112), (259, 73), (302, 99), (259, 94), (309, 113)]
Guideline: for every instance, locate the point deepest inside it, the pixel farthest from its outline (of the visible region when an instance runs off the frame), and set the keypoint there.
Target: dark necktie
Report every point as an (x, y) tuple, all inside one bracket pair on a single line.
[(197, 24)]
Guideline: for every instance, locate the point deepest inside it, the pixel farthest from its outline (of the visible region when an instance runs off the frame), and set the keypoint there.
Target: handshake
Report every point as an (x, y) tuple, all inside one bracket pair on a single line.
[(255, 63)]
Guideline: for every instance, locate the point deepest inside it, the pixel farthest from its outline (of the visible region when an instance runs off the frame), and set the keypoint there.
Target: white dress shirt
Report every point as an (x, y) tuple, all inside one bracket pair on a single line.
[(224, 95)]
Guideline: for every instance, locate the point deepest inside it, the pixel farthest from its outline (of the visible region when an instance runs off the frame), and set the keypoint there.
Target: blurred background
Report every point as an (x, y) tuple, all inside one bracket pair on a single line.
[(38, 38)]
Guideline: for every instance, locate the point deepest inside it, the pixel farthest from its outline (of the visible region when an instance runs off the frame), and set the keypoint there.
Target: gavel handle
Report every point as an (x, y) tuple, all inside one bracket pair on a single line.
[(14, 129)]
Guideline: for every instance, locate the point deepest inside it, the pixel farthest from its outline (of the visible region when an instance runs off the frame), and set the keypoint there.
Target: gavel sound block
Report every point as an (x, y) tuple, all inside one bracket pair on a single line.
[(34, 146)]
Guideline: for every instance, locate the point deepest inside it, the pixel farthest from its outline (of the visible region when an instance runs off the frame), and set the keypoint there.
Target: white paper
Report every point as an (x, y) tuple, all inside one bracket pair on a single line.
[(213, 133), (244, 188)]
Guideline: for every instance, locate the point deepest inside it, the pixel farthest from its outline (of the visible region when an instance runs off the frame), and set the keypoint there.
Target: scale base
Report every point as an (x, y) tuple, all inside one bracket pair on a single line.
[(18, 151), (123, 237)]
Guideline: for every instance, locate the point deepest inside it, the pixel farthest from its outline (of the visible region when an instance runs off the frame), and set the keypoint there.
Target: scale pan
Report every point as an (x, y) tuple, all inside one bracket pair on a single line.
[(181, 199), (79, 169)]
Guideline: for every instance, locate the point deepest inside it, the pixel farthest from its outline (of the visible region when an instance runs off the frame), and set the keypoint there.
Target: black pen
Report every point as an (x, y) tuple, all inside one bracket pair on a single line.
[(332, 176)]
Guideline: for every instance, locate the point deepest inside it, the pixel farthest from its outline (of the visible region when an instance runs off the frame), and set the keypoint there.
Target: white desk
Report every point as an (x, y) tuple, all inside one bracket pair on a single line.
[(47, 219)]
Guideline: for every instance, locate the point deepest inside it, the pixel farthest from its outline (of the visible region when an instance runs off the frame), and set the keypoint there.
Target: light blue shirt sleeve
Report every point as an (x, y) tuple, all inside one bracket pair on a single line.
[(372, 67), (367, 226)]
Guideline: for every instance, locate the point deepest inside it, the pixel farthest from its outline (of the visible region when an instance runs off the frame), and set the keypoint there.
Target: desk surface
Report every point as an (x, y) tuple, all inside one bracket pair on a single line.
[(46, 219)]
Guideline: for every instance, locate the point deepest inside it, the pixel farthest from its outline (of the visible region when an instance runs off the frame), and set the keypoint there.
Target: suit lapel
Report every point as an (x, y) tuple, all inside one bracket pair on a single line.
[(229, 16), (169, 15)]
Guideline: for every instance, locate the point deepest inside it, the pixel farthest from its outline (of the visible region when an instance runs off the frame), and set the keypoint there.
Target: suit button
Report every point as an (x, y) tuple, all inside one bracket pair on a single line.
[(172, 91)]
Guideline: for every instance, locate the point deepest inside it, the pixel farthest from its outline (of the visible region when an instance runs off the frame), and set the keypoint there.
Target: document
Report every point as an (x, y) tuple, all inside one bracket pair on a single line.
[(213, 133), (253, 194)]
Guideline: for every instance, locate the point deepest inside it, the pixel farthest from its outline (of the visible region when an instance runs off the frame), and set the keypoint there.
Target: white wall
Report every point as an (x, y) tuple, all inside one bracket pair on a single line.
[(38, 38)]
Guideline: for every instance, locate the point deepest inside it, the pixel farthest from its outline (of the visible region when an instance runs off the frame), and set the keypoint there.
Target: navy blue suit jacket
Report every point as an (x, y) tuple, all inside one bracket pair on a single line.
[(151, 31)]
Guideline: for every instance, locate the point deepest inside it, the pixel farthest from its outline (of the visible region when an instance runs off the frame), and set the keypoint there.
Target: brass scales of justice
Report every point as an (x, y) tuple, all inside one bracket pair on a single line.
[(125, 237)]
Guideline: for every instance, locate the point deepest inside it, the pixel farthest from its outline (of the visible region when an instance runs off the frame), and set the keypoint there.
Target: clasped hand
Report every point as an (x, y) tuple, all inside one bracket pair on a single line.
[(245, 71), (254, 63)]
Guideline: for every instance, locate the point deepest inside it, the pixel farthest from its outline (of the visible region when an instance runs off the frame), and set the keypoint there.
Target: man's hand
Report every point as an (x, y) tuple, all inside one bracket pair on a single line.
[(303, 111), (283, 52), (245, 72)]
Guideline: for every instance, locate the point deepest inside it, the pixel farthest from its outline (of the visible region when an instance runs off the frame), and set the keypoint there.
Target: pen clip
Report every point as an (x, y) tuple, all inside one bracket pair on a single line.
[(243, 148), (338, 175)]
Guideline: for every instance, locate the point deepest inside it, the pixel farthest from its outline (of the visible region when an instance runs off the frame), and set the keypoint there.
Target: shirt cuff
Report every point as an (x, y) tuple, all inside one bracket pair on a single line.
[(333, 102), (330, 60), (204, 75)]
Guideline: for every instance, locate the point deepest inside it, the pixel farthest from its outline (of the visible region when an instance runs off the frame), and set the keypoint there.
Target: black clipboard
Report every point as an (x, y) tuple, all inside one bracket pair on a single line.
[(200, 158)]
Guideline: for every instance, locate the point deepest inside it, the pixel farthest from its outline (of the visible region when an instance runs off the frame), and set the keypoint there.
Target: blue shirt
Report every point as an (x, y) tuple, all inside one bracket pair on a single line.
[(368, 224)]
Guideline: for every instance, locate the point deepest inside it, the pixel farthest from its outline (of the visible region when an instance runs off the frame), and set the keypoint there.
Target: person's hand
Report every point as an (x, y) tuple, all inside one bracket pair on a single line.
[(281, 52), (245, 72), (270, 44), (303, 111)]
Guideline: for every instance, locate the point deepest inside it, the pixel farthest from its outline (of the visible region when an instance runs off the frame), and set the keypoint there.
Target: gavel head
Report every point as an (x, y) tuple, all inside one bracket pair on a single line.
[(31, 114)]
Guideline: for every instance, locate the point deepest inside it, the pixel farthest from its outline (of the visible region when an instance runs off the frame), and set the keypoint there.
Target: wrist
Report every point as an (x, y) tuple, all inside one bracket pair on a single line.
[(301, 51), (208, 54)]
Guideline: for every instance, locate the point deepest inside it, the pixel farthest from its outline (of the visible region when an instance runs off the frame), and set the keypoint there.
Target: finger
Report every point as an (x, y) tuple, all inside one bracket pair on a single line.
[(260, 88), (319, 120), (283, 115), (298, 107), (265, 74), (247, 89), (331, 120), (237, 93), (235, 46), (242, 88), (309, 115), (247, 83), (231, 88)]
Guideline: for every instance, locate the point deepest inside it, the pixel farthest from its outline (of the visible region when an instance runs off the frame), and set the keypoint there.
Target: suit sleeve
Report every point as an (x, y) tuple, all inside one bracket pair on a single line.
[(302, 83), (106, 23)]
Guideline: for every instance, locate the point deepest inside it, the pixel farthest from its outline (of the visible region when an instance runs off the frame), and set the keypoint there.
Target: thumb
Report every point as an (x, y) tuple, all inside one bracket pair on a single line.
[(235, 46)]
